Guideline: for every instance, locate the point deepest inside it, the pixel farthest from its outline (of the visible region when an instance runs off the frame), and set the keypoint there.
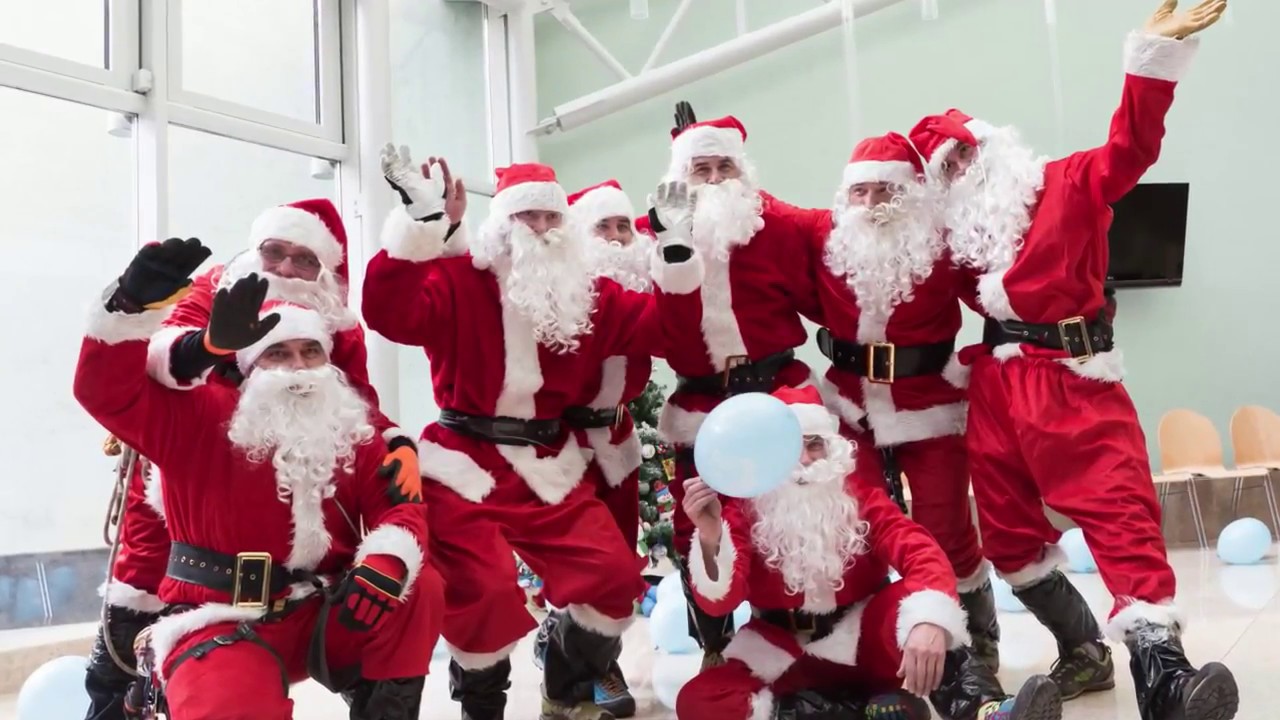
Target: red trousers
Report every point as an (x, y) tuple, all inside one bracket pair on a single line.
[(144, 546), (1039, 433), (732, 692), (623, 503), (573, 545), (241, 681)]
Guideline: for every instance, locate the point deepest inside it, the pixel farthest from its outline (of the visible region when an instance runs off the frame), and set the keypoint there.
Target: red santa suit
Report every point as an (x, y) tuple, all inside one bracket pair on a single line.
[(487, 366), (866, 620), (894, 299), (218, 500), (1043, 427)]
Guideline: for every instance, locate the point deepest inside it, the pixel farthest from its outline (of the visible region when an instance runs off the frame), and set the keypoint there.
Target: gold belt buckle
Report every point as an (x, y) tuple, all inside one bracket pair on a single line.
[(1064, 326), (809, 628), (264, 587), (887, 378), (731, 363)]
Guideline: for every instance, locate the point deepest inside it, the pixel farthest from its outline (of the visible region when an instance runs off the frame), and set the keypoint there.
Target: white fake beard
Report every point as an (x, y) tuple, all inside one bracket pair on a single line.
[(725, 216), (308, 422), (885, 251), (988, 208), (548, 278), (326, 294), (628, 265), (808, 529)]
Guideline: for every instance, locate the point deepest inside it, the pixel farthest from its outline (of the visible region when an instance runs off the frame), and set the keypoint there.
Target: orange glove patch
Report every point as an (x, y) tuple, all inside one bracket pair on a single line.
[(400, 466)]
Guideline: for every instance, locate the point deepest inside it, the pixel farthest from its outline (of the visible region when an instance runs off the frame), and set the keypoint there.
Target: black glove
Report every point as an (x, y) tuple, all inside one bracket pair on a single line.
[(369, 593), (684, 116), (234, 323), (400, 469), (159, 275)]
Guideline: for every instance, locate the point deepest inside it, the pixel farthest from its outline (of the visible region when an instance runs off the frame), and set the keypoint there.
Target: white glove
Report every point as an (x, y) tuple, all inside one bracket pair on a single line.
[(673, 205), (422, 195)]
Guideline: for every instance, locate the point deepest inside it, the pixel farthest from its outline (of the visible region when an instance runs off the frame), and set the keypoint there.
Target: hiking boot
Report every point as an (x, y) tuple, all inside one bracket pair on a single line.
[(612, 694), (1084, 662), (552, 710), (1087, 668)]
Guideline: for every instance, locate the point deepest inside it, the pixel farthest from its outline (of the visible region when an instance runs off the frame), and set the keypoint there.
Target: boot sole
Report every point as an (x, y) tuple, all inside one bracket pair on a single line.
[(1109, 684), (1038, 699), (1212, 694)]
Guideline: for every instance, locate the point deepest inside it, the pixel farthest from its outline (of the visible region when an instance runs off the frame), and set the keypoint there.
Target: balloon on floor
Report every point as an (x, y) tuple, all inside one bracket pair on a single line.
[(1079, 556), (748, 445), (1005, 599), (55, 691), (1244, 542), (669, 628), (671, 673)]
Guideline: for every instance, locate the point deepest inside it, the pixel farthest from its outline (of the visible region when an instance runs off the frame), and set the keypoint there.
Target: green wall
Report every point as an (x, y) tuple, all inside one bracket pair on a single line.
[(1206, 345)]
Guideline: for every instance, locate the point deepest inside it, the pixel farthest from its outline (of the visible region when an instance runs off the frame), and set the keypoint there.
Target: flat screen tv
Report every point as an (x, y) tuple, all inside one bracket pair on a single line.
[(1148, 235)]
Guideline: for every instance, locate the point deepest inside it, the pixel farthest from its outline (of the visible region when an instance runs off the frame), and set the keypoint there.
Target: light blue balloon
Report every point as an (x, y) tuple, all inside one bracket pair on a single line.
[(669, 628), (1005, 599), (1244, 542), (748, 445), (646, 606), (55, 691), (741, 615), (1079, 556), (669, 588)]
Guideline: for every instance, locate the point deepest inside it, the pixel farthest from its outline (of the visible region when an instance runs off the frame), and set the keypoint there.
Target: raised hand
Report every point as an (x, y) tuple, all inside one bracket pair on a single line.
[(702, 507), (455, 194), (422, 194), (1170, 23), (234, 323), (159, 275)]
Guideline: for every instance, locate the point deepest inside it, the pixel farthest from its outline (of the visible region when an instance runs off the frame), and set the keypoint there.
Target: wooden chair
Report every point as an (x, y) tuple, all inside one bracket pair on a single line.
[(1190, 445), (1255, 441)]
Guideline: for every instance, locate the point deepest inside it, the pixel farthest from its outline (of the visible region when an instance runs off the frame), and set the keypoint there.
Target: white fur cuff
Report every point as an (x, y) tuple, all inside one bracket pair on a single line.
[(1161, 58), (168, 631), (935, 608), (1138, 613), (397, 542), (1034, 572), (392, 433), (762, 657), (114, 328), (160, 356), (407, 239), (121, 594), (975, 581), (597, 622), (717, 589), (762, 705), (479, 661), (956, 373), (455, 470), (677, 278)]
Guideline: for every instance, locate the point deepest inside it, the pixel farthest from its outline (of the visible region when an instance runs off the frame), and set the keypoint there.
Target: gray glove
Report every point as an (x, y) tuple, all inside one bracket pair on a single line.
[(671, 216), (423, 195)]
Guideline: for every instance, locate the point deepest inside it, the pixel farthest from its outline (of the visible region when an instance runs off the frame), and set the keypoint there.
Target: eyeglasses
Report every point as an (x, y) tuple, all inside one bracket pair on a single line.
[(302, 258), (815, 443)]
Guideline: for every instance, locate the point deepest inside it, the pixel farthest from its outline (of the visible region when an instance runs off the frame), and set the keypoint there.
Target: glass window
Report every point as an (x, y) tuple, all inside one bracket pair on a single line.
[(259, 54), (68, 229), (74, 30)]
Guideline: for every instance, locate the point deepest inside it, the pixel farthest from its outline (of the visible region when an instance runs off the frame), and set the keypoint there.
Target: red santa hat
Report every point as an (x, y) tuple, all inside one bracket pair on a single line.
[(723, 137), (591, 205), (314, 224), (886, 158), (296, 323), (806, 403), (642, 226), (936, 135), (527, 186), (981, 129)]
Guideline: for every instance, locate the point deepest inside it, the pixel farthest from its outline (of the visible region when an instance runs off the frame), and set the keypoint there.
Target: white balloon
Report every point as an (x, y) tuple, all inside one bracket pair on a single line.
[(55, 691), (670, 673), (670, 589)]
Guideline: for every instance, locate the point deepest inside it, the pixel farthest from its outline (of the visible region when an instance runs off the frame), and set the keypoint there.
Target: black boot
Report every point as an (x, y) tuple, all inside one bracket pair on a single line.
[(1084, 660), (398, 699), (983, 625), (968, 687), (1169, 687), (482, 693), (575, 657), (712, 633), (106, 682), (819, 705)]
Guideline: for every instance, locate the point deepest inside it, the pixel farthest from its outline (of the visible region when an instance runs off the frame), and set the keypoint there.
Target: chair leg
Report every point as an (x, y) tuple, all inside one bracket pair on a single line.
[(1196, 517), (1162, 493), (1270, 490), (1235, 497)]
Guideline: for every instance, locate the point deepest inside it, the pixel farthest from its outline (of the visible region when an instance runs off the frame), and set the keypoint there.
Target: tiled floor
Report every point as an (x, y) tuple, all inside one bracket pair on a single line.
[(1233, 614)]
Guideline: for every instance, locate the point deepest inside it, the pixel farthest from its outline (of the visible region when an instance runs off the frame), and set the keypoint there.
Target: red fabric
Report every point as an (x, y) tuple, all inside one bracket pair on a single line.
[(520, 173), (890, 147), (576, 196), (242, 682), (1039, 433), (937, 472), (323, 209), (144, 540), (933, 131), (728, 122)]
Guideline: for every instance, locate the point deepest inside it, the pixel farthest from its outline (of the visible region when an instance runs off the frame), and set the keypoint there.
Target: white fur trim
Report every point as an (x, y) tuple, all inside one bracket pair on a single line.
[(981, 129), (720, 329), (933, 163), (725, 559), (300, 228), (1006, 351), (153, 492), (1137, 612), (762, 705), (551, 478), (121, 594), (706, 141), (1158, 57), (895, 427), (392, 433), (407, 239), (764, 659), (975, 581), (844, 408), (1036, 571), (616, 462), (522, 370), (311, 539), (114, 328), (613, 383), (296, 323), (160, 354), (455, 470), (815, 419), (992, 295), (479, 661), (956, 373), (677, 278), (679, 426), (1106, 367), (395, 541), (518, 198), (898, 172), (935, 608), (603, 202), (841, 646), (597, 622), (168, 631)]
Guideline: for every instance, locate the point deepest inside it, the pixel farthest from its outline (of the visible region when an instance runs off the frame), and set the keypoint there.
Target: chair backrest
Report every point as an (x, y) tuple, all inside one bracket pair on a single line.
[(1255, 437), (1188, 443)]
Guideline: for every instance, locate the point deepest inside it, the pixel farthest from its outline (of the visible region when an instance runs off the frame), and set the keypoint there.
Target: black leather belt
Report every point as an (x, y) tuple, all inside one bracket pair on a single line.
[(585, 418), (741, 375), (885, 362), (250, 578), (503, 430), (1078, 337), (813, 626)]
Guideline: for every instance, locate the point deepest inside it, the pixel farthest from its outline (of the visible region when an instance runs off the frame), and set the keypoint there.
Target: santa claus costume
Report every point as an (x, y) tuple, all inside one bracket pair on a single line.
[(131, 594), (812, 557), (511, 329), (264, 494), (729, 311), (1049, 421)]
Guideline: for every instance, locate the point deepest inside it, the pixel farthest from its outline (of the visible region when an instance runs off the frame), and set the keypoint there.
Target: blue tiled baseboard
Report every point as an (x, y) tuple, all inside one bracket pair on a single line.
[(51, 588)]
